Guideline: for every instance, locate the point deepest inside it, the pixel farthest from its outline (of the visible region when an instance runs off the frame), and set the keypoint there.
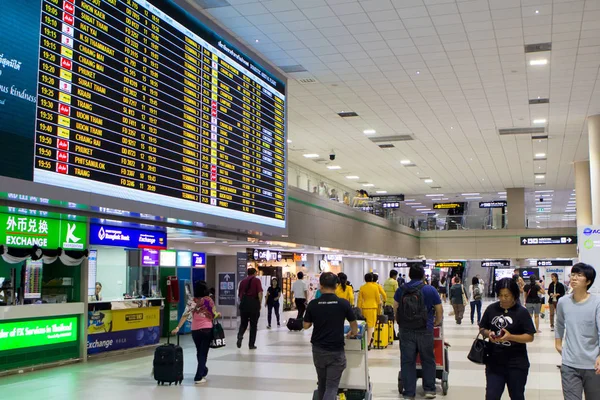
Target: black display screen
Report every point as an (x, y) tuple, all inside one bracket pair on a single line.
[(133, 104)]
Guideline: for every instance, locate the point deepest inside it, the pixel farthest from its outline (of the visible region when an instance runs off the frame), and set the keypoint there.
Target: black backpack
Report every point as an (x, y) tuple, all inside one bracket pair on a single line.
[(412, 313)]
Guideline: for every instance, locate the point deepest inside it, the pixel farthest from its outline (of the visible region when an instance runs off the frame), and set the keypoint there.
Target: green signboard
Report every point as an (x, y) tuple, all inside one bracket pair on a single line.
[(26, 231), (19, 335)]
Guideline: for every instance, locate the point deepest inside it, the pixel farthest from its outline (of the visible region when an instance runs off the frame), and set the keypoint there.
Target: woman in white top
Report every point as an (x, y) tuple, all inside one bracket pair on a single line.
[(475, 297)]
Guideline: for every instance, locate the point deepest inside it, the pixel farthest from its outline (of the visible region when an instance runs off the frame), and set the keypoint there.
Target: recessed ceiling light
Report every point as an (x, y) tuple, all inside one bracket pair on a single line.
[(423, 209), (473, 198), (413, 204), (501, 192), (544, 191), (433, 195), (537, 11), (381, 192), (369, 185), (539, 121), (405, 162), (353, 177), (408, 200), (542, 61), (289, 140), (428, 181), (540, 176), (334, 167), (470, 194), (445, 198), (311, 155), (540, 155), (369, 131), (256, 41), (418, 72), (502, 197), (451, 127)]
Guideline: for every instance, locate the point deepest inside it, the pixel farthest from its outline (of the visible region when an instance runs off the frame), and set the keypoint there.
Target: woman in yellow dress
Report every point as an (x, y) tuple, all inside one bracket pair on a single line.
[(345, 291), (369, 301)]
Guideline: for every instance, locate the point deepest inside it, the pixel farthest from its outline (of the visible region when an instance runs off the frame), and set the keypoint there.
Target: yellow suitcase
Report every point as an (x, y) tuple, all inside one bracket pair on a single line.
[(381, 335), (391, 331)]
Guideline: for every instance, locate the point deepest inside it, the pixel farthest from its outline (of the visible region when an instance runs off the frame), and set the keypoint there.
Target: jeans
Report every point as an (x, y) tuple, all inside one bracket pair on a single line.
[(411, 343), (476, 304), (250, 313), (301, 307), (271, 307), (577, 381), (459, 312), (329, 365), (499, 376), (202, 338)]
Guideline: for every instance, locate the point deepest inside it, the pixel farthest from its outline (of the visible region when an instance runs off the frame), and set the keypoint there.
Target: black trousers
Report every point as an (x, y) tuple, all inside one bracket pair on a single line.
[(202, 338), (273, 306), (301, 307), (497, 377), (249, 313)]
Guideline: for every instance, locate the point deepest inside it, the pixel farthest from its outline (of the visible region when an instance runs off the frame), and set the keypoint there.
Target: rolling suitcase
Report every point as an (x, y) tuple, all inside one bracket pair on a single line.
[(295, 324), (168, 363), (391, 331), (381, 336)]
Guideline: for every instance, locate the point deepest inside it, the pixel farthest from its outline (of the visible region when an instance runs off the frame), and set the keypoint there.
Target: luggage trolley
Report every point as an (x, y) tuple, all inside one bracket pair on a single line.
[(355, 383), (442, 362)]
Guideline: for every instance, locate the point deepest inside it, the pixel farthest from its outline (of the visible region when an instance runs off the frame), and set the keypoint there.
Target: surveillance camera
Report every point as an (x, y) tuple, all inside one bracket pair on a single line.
[(332, 155)]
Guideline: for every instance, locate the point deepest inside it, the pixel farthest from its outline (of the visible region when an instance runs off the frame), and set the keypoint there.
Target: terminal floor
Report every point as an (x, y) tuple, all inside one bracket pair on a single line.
[(281, 368)]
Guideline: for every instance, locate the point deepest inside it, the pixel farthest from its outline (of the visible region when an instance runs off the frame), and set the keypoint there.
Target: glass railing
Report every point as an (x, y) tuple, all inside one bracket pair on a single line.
[(547, 221), (461, 222)]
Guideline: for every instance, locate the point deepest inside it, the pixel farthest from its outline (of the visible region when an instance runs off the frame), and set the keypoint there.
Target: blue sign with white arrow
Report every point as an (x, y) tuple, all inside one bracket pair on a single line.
[(226, 293)]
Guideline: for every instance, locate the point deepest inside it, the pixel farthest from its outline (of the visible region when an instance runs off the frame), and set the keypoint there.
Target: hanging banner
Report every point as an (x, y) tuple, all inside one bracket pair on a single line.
[(495, 263)]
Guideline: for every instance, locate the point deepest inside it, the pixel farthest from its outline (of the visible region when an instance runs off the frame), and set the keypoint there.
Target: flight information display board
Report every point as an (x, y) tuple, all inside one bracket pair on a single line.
[(133, 104)]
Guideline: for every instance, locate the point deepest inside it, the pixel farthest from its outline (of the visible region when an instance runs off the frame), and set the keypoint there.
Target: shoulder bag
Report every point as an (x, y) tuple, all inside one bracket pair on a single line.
[(479, 350), (218, 336)]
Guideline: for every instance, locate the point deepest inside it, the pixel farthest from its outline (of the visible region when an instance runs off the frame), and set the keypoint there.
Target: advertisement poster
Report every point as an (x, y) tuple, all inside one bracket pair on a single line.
[(19, 335), (589, 250), (226, 295)]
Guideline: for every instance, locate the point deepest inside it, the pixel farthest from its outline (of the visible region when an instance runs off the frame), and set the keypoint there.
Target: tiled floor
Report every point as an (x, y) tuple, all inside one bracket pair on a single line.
[(281, 368)]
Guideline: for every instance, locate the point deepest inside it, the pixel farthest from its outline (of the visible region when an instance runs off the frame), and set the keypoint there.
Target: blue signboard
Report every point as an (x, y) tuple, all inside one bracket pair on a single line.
[(198, 259), (226, 294), (120, 340), (117, 236)]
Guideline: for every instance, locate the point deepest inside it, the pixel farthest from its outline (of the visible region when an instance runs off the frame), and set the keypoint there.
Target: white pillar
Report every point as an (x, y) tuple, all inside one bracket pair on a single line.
[(594, 144), (583, 190)]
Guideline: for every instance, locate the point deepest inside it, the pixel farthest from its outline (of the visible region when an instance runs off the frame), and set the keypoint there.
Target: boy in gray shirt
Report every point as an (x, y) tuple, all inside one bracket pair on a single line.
[(579, 313)]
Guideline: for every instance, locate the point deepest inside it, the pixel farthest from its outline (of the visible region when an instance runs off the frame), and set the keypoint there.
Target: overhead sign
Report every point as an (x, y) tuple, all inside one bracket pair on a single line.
[(198, 259), (27, 231), (226, 294), (106, 235), (40, 332), (554, 263), (447, 206), (150, 258), (449, 264), (266, 255), (492, 204), (495, 263), (409, 264), (391, 204), (548, 240)]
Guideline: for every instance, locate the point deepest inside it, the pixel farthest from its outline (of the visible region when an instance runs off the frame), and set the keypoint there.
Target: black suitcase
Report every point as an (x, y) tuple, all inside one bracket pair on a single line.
[(295, 324), (168, 363)]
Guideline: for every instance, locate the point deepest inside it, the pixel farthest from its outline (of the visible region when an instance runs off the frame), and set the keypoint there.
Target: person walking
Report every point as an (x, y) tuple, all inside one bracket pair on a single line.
[(369, 302), (556, 291), (328, 314), (533, 303), (475, 297), (509, 328), (521, 283), (250, 295), (390, 286), (272, 302), (344, 290), (201, 310), (300, 293), (457, 299), (443, 290), (418, 308), (577, 336)]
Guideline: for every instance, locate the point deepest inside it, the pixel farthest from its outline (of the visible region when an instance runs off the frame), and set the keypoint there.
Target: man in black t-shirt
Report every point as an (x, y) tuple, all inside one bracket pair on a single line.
[(328, 314)]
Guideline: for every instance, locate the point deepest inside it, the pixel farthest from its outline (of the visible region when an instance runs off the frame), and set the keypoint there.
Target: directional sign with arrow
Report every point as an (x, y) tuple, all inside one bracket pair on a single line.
[(226, 292), (548, 240)]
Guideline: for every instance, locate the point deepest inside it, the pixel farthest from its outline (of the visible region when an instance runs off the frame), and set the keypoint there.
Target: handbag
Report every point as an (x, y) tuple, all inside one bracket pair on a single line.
[(218, 336), (479, 350), (464, 297)]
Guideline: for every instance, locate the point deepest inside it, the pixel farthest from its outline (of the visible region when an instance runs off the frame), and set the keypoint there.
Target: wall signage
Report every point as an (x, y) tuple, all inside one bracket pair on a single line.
[(41, 332), (47, 233), (242, 266), (168, 258), (589, 250), (548, 240), (447, 206), (492, 204), (409, 264), (184, 259), (333, 257), (391, 204), (495, 263), (226, 295), (150, 258), (554, 263), (449, 264), (198, 259), (302, 257), (106, 235), (267, 255)]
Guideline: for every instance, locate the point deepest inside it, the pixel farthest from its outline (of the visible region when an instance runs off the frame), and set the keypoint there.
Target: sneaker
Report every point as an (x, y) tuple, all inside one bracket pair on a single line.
[(239, 343), (200, 382), (551, 329), (278, 325), (408, 398), (268, 326), (253, 347), (430, 395)]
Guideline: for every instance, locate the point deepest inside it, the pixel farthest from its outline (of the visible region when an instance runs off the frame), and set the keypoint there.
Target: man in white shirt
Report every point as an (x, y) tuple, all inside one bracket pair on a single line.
[(300, 292)]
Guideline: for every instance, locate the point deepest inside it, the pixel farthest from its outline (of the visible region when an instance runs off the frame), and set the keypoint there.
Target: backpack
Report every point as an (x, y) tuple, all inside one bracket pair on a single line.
[(476, 293), (412, 313)]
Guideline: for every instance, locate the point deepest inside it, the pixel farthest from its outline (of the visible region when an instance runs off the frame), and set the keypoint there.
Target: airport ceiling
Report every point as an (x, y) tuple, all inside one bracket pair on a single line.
[(446, 74)]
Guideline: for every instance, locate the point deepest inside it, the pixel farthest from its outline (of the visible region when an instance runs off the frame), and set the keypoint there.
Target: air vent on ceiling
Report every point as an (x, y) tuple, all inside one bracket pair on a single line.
[(436, 187), (537, 47), (522, 131), (410, 165), (320, 160), (347, 114), (539, 101), (394, 138), (290, 69), (212, 3), (307, 81), (386, 146), (539, 137)]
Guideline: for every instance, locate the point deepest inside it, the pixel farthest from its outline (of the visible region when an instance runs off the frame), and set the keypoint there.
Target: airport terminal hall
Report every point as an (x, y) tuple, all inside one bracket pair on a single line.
[(300, 199)]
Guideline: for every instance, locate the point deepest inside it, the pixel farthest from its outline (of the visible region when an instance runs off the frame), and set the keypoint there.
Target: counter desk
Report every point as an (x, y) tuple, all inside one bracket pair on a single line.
[(123, 324)]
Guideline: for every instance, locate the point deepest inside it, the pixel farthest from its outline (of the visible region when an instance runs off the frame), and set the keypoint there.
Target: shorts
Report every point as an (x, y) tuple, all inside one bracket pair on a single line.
[(442, 290), (534, 308), (370, 315)]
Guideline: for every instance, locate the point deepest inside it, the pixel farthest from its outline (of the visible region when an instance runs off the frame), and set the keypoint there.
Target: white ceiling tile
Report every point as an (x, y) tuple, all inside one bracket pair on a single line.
[(376, 5), (251, 9), (279, 5), (450, 19), (359, 29), (351, 19), (346, 8), (380, 16), (318, 12)]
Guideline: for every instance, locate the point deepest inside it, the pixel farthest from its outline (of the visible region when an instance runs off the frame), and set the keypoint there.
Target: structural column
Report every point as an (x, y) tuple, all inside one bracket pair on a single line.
[(594, 141), (515, 208), (583, 190)]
